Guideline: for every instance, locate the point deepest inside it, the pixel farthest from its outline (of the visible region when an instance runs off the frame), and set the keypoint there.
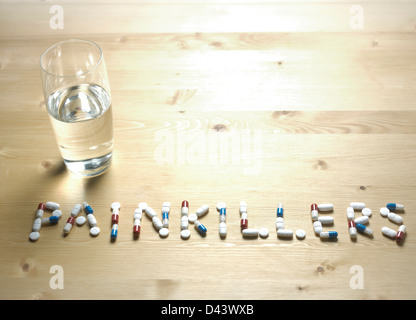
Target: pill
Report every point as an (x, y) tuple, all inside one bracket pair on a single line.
[(68, 225), (263, 233), (185, 208), (52, 205), (50, 220), (279, 223), (395, 218), (279, 212), (142, 205), (136, 227), (325, 207), (285, 233), (362, 228), (243, 207), (114, 231), (314, 211), (95, 231), (367, 212), (350, 213), (221, 205), (357, 205), (87, 208), (300, 234), (222, 229), (401, 234), (362, 220), (223, 215), (164, 232), (317, 227), (185, 234), (328, 235), (34, 236), (37, 224), (326, 220), (244, 221), (202, 210), (389, 232), (384, 211), (192, 218), (92, 221), (395, 206), (184, 222), (150, 212), (157, 223), (80, 220), (200, 227), (41, 210), (115, 207), (250, 233), (76, 210), (165, 219), (138, 214), (352, 228), (57, 213)]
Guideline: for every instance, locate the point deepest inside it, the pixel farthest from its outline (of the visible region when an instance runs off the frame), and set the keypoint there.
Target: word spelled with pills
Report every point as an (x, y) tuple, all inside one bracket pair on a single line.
[(319, 214)]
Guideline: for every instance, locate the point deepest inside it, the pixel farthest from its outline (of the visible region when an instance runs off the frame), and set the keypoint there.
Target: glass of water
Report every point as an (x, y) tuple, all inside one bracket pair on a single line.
[(78, 100)]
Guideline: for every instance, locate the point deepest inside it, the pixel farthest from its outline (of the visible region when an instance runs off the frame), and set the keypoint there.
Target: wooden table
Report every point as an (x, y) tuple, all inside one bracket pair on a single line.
[(266, 103)]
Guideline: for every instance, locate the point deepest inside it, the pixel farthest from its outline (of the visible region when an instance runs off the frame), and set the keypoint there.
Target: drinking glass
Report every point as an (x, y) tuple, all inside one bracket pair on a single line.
[(78, 99)]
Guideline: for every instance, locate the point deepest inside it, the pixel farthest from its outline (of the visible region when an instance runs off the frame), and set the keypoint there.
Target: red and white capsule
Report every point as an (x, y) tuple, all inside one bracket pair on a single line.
[(185, 208), (314, 212), (41, 210), (68, 225), (401, 234), (115, 206), (352, 228)]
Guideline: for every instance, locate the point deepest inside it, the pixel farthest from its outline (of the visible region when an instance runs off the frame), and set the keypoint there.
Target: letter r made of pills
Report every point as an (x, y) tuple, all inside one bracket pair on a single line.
[(357, 279)]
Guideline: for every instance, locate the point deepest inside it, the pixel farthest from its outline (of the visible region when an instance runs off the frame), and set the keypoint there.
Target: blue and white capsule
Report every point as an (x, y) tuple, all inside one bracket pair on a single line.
[(279, 212), (165, 214), (363, 229), (200, 227), (328, 235), (87, 208), (114, 231), (394, 206), (50, 220), (223, 215)]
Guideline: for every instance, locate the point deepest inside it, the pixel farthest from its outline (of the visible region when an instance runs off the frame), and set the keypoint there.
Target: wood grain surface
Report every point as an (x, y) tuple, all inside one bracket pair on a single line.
[(236, 101)]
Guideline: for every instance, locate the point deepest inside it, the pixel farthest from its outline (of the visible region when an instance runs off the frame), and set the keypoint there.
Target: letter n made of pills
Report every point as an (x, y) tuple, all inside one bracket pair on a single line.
[(357, 280)]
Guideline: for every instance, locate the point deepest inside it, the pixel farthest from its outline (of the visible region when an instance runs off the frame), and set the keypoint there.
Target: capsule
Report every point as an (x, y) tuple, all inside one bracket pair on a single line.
[(37, 224), (200, 227), (280, 223), (328, 235), (350, 213), (115, 206), (68, 225), (325, 207), (250, 233), (87, 208), (401, 234), (357, 205), (352, 228), (50, 220), (394, 206), (222, 229), (244, 221), (285, 233), (362, 220), (91, 220), (314, 211), (41, 210), (76, 210), (223, 215), (114, 231), (165, 219), (395, 218), (202, 210), (157, 223), (185, 208), (317, 227), (326, 220), (362, 228), (138, 214), (279, 212), (389, 232), (52, 205)]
